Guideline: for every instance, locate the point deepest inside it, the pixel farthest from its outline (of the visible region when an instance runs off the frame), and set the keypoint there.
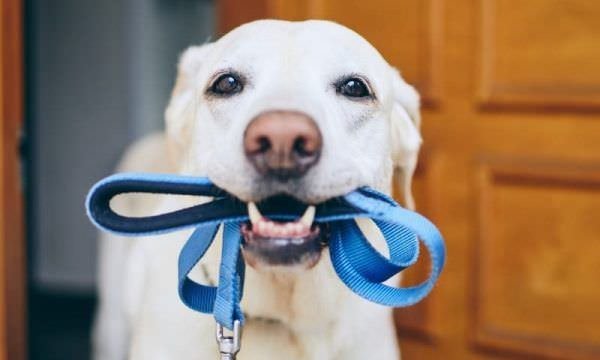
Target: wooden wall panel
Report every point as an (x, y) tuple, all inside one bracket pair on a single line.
[(232, 13), (540, 53), (536, 280), (408, 34)]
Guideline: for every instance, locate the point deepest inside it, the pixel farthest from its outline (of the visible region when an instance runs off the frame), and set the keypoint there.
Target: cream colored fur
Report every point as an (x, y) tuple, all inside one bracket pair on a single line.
[(290, 314)]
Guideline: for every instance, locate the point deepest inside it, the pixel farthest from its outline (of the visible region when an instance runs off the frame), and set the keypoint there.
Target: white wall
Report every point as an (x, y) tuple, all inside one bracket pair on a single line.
[(99, 75)]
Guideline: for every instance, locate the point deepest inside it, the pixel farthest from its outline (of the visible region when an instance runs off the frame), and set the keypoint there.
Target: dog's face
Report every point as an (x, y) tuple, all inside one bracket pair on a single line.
[(305, 110)]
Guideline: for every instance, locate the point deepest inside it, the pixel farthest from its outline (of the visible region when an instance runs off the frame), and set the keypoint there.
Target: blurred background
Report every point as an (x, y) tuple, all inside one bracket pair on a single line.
[(98, 76), (510, 168)]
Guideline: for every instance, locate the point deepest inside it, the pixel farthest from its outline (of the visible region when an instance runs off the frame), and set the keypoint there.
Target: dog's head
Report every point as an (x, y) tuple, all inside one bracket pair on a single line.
[(292, 111)]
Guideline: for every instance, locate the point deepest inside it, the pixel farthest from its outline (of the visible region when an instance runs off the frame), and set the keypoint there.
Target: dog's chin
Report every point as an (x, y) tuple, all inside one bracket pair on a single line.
[(293, 244), (288, 253)]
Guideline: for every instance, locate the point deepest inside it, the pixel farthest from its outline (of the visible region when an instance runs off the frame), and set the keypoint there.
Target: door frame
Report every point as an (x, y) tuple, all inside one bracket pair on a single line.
[(12, 240)]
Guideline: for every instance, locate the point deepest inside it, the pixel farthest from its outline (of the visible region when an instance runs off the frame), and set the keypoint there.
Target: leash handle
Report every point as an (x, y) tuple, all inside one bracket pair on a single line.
[(354, 259), (222, 208), (105, 218)]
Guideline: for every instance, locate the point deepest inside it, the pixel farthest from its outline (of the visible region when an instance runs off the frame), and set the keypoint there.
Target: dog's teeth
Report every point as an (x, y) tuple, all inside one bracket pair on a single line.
[(265, 227), (270, 229), (283, 231), (253, 213), (290, 229), (278, 231), (299, 229), (261, 227), (308, 217)]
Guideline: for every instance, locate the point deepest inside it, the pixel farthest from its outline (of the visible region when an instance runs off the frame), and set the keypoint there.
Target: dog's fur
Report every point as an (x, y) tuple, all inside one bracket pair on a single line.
[(305, 314)]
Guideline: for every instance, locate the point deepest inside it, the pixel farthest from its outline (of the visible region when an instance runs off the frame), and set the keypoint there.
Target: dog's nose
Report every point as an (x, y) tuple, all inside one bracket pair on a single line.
[(282, 144)]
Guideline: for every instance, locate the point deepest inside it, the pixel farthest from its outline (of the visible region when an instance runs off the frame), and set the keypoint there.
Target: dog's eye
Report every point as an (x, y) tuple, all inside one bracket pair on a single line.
[(354, 88), (226, 84)]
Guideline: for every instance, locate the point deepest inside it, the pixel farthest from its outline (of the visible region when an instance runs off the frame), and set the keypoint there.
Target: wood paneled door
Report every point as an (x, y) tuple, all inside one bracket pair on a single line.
[(12, 244), (510, 168)]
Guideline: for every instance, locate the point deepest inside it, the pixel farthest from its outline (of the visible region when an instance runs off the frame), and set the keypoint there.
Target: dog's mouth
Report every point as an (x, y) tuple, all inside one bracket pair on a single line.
[(294, 243)]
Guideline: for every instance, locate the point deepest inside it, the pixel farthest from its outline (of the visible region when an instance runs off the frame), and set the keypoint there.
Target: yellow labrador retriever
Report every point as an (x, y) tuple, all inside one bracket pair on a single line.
[(306, 109)]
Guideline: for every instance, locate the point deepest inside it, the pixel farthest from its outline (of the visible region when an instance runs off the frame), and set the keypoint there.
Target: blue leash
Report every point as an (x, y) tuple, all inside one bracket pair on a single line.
[(356, 262)]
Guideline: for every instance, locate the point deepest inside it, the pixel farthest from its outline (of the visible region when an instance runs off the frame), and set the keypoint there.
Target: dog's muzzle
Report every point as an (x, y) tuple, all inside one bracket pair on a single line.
[(282, 146)]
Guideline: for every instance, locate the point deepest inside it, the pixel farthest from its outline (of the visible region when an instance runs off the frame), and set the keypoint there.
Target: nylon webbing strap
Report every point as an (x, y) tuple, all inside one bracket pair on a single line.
[(356, 262)]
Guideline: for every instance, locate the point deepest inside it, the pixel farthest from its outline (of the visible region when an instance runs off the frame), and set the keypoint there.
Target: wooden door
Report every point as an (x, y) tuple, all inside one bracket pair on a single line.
[(510, 168), (12, 245)]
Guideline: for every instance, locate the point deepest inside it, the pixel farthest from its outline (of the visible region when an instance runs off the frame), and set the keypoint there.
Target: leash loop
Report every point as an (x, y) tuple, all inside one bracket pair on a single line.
[(357, 263)]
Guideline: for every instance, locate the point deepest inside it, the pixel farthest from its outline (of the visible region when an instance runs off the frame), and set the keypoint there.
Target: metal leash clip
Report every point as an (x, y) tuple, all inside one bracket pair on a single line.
[(229, 346)]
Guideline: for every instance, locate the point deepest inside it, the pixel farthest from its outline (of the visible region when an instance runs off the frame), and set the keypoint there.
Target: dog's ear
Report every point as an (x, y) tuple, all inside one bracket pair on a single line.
[(405, 134), (180, 112)]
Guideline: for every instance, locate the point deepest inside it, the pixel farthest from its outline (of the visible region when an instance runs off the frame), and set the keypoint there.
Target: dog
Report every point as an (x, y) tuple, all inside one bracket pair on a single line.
[(309, 110)]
